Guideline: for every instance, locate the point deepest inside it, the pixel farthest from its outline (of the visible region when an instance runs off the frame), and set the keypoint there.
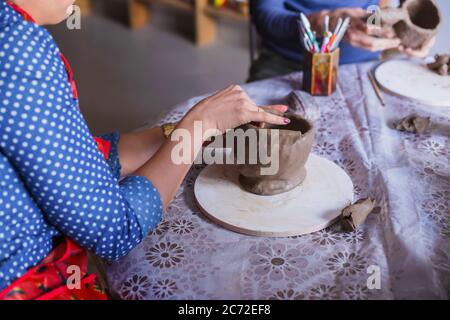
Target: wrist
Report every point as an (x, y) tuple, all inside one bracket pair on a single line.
[(199, 121), (196, 125)]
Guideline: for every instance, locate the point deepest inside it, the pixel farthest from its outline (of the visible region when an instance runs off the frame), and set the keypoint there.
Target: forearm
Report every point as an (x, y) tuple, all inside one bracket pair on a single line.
[(136, 148), (164, 170)]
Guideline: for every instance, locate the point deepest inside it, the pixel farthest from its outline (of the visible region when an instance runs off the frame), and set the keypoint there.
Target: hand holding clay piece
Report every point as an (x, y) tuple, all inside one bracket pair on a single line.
[(415, 23), (441, 65), (355, 214), (294, 146), (413, 123)]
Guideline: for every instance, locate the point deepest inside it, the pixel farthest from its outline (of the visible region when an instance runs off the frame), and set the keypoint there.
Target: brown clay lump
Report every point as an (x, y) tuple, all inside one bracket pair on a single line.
[(294, 146), (441, 64), (413, 123), (355, 214)]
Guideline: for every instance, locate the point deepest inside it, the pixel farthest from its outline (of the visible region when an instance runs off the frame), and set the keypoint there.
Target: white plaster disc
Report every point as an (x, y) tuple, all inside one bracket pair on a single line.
[(413, 79), (310, 207)]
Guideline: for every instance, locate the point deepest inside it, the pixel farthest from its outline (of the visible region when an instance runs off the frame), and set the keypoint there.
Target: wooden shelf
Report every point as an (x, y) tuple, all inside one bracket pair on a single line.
[(226, 13), (85, 6), (205, 15), (138, 13), (182, 5)]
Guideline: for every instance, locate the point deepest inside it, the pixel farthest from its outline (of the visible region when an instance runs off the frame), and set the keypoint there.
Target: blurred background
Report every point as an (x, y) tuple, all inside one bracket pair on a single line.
[(134, 59)]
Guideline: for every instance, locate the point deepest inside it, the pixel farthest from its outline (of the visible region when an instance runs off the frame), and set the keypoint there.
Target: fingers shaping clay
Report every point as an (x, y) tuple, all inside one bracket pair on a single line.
[(416, 21), (413, 123), (295, 144), (355, 214), (441, 65)]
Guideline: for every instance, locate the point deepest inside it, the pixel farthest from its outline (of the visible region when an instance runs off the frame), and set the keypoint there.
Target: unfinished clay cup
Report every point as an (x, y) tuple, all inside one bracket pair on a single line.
[(294, 145), (415, 23)]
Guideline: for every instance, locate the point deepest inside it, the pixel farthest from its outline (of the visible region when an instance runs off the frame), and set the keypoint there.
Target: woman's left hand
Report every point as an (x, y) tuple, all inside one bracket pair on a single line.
[(421, 52)]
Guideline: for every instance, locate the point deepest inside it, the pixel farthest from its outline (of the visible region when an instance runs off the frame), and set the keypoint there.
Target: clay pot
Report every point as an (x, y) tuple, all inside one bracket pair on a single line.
[(415, 22), (295, 144)]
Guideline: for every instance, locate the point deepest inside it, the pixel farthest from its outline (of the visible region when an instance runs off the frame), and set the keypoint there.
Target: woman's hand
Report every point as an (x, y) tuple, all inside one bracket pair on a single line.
[(231, 108), (227, 109), (421, 52), (359, 34)]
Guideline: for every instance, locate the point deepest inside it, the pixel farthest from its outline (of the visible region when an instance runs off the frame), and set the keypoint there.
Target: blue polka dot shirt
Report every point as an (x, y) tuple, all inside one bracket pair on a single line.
[(53, 180)]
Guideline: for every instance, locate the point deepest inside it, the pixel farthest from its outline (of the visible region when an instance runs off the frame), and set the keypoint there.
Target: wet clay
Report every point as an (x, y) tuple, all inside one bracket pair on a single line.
[(355, 214), (416, 21), (295, 144), (413, 123), (441, 64)]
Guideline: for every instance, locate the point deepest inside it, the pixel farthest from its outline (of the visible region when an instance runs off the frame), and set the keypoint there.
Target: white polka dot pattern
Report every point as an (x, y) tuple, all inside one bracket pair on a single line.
[(53, 180)]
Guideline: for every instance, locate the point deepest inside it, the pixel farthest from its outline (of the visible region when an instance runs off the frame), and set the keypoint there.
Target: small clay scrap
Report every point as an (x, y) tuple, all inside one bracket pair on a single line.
[(441, 64), (355, 214), (413, 123)]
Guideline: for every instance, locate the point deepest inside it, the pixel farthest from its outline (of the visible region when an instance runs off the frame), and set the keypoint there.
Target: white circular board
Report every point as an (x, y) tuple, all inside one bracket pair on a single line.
[(310, 207), (413, 79)]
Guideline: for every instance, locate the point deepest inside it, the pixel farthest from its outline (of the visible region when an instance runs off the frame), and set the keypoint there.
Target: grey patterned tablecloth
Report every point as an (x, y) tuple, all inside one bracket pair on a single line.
[(407, 240)]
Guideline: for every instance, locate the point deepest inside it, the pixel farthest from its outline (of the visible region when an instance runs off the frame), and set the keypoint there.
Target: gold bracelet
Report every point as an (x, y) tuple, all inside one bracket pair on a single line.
[(167, 129)]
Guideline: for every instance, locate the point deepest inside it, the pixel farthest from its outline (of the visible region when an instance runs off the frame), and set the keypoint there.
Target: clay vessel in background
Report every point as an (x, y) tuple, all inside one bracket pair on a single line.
[(416, 22), (295, 143)]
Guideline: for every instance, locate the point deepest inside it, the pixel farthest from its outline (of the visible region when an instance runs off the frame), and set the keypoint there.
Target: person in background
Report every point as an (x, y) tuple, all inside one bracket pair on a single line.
[(282, 51), (64, 192)]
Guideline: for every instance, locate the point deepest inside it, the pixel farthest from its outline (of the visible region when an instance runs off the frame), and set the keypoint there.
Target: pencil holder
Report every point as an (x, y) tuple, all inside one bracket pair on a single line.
[(320, 72)]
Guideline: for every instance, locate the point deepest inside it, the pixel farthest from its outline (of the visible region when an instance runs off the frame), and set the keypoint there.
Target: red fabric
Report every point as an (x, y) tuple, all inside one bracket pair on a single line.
[(48, 280), (70, 76), (104, 146), (90, 289)]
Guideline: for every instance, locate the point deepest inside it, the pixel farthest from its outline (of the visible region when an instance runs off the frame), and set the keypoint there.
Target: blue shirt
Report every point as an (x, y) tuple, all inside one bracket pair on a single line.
[(53, 179), (276, 22)]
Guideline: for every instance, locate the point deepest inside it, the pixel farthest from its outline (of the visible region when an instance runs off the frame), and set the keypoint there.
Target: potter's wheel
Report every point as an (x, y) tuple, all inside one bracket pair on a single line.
[(413, 80), (310, 207)]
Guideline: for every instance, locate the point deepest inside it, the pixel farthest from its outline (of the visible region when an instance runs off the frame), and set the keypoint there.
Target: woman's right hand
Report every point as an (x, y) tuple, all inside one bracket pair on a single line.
[(359, 34), (231, 108), (227, 109)]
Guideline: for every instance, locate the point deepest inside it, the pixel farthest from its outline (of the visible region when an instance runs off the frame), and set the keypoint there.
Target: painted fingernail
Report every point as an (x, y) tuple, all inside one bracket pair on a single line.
[(287, 121)]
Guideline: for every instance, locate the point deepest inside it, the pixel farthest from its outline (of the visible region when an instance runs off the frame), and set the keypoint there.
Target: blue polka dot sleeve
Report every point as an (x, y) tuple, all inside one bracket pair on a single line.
[(144, 199), (45, 139), (136, 188)]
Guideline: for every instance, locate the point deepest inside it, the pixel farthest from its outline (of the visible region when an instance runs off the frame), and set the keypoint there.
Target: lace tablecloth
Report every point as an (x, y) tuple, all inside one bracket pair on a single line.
[(405, 244)]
